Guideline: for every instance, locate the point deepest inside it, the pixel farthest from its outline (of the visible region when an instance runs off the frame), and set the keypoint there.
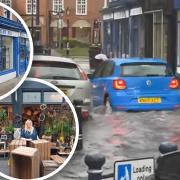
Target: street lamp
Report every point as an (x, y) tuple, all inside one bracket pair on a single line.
[(60, 15), (67, 44)]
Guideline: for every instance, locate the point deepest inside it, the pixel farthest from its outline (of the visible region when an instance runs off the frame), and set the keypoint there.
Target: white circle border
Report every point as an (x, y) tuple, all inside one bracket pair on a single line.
[(76, 136), (31, 51)]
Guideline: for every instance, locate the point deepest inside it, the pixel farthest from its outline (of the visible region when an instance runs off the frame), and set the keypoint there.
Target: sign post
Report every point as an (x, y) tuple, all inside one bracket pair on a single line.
[(137, 169)]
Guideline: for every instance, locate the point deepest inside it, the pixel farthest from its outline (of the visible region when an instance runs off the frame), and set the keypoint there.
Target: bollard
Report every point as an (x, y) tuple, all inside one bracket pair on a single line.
[(167, 147), (80, 140), (94, 163)]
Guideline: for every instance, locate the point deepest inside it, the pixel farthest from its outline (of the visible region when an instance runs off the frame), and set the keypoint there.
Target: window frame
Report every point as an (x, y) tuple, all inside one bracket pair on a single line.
[(30, 4), (167, 73), (81, 6), (60, 3), (9, 3), (108, 69)]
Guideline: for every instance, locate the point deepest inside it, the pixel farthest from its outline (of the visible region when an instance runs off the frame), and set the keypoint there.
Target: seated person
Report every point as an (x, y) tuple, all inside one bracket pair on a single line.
[(29, 132)]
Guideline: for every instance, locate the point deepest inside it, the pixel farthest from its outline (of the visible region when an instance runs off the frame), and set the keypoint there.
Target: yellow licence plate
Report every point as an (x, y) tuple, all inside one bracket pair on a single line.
[(149, 100)]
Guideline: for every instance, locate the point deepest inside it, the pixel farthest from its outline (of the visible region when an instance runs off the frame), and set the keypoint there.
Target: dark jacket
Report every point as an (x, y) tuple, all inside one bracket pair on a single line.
[(26, 134)]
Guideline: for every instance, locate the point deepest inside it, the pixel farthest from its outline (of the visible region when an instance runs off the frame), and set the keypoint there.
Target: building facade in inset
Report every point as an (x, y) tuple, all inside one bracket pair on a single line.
[(14, 49)]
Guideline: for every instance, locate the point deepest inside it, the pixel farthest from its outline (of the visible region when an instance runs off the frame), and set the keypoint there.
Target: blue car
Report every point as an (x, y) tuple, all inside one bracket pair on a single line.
[(135, 84)]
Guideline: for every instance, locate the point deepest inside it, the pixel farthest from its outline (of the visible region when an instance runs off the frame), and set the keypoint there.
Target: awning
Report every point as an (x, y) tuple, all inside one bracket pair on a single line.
[(81, 24), (59, 23)]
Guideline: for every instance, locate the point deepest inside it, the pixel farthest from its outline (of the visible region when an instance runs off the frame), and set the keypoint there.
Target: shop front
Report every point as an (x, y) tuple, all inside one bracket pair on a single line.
[(52, 121), (14, 49)]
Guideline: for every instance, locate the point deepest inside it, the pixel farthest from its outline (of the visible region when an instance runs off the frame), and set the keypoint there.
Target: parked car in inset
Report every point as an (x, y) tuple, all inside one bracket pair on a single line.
[(66, 75), (135, 84)]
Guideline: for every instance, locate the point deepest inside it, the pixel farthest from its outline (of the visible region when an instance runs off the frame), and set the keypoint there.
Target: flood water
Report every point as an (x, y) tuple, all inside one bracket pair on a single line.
[(121, 136)]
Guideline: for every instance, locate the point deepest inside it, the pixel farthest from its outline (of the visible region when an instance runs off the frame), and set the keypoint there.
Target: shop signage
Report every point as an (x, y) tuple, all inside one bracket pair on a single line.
[(6, 32), (108, 16), (121, 14), (136, 11), (24, 35), (137, 169)]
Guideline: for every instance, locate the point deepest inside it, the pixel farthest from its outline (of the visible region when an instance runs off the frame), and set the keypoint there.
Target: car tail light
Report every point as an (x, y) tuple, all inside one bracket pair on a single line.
[(119, 84), (85, 114), (174, 84)]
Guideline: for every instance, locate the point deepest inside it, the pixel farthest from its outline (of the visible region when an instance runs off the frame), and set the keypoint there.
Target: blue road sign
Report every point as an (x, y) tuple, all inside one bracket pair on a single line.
[(136, 169), (124, 172)]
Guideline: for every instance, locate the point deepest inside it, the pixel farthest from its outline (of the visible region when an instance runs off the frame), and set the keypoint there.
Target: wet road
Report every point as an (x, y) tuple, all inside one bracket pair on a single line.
[(123, 135)]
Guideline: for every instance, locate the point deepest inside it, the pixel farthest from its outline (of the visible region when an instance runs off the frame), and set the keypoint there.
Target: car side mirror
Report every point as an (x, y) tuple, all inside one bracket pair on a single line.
[(90, 76)]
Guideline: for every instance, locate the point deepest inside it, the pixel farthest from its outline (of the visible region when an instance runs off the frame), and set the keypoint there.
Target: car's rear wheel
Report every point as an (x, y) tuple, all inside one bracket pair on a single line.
[(107, 105)]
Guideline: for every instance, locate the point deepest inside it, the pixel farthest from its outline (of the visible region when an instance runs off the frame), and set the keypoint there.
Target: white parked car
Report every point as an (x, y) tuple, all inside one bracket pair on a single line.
[(66, 75)]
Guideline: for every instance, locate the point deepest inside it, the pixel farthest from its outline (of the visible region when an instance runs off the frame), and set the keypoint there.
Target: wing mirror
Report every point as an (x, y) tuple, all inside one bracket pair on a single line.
[(90, 76)]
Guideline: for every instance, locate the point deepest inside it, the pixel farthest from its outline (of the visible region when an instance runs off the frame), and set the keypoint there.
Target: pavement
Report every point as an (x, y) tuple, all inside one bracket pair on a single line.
[(9, 85)]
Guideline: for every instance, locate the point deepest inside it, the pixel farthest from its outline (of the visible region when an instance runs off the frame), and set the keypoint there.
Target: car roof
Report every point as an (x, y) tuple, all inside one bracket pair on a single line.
[(53, 58), (120, 61)]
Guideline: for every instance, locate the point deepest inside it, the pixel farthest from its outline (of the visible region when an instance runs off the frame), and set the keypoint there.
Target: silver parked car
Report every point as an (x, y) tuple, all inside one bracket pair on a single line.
[(66, 75)]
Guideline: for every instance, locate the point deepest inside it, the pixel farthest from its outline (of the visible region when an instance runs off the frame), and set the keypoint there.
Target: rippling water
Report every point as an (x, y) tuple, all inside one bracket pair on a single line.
[(123, 135)]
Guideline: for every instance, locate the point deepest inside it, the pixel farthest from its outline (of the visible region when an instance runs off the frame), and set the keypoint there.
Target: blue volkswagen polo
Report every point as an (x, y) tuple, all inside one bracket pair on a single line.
[(135, 84)]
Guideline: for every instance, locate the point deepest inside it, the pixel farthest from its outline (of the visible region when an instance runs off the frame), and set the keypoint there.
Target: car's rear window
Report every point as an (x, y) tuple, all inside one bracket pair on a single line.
[(144, 69), (55, 70)]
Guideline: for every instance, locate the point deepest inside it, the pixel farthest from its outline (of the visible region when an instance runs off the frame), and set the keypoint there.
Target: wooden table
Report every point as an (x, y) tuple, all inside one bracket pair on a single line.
[(16, 143), (57, 159), (48, 166), (44, 148), (24, 163)]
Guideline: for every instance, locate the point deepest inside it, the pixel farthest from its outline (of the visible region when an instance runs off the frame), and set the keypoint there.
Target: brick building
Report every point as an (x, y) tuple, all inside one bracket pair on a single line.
[(49, 24)]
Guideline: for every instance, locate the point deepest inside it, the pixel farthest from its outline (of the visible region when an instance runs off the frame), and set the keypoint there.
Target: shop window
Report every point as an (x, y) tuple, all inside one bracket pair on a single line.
[(52, 97), (160, 36), (136, 36), (6, 13), (178, 41), (22, 54), (31, 6), (81, 7), (6, 53), (124, 38), (7, 2), (31, 97)]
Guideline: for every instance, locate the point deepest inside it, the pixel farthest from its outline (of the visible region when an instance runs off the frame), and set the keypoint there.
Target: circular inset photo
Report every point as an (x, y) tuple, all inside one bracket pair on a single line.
[(38, 131), (16, 50)]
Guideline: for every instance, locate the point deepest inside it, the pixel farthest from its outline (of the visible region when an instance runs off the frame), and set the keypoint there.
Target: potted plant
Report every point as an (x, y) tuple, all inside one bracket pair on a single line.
[(9, 131), (3, 118), (55, 131)]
